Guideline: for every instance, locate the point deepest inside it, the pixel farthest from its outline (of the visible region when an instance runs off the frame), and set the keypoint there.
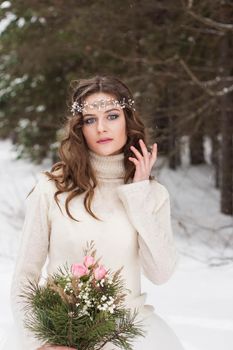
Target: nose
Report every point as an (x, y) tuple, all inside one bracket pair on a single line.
[(101, 126)]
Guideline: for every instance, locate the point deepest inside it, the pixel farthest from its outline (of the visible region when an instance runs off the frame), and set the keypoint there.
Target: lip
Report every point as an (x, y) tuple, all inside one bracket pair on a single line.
[(104, 140)]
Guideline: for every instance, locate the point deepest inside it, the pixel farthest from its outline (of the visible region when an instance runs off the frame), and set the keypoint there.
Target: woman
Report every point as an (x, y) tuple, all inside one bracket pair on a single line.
[(101, 190)]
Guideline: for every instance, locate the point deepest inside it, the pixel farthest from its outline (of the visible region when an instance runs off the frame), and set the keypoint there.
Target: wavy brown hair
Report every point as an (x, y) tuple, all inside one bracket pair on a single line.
[(74, 173)]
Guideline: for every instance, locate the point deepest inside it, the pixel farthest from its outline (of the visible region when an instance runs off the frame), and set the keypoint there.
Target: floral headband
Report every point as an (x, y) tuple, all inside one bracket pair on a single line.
[(80, 107)]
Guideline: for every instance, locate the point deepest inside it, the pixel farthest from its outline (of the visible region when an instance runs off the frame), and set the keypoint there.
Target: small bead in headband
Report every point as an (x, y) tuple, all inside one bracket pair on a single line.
[(81, 107)]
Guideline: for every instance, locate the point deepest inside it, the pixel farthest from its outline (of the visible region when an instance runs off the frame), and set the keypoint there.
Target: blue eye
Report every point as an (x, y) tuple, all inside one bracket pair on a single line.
[(86, 121), (114, 115), (89, 121)]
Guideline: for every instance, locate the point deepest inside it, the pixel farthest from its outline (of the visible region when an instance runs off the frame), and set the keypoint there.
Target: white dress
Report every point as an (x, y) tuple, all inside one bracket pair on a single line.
[(135, 231)]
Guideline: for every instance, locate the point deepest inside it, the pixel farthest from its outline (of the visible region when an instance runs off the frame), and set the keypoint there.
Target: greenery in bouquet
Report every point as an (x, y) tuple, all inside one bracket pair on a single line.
[(81, 306)]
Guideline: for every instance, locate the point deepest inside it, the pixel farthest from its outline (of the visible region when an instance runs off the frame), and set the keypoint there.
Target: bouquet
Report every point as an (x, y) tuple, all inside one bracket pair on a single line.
[(81, 307)]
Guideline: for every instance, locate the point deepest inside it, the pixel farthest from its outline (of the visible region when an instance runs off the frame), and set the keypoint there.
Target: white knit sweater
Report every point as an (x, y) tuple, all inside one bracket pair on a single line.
[(135, 232)]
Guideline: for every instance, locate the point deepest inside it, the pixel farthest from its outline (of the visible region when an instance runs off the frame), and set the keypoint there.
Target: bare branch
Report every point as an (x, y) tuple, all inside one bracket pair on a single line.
[(207, 31), (199, 111), (139, 59), (210, 22), (220, 261), (203, 85)]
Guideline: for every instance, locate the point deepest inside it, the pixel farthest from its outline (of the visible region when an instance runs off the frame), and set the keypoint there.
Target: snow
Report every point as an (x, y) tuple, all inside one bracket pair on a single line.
[(5, 5), (197, 301), (6, 21)]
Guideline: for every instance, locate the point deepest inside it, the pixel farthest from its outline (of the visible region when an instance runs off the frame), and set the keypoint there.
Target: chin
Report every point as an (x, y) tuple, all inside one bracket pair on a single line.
[(108, 152)]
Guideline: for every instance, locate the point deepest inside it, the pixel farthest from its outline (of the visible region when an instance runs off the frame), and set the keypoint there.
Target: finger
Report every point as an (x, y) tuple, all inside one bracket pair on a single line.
[(134, 160), (145, 153), (136, 152), (140, 166), (153, 154)]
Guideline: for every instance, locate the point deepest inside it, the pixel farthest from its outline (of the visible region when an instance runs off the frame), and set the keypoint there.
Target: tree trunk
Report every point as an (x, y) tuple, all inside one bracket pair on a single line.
[(215, 146), (174, 145), (226, 123), (196, 146), (226, 155)]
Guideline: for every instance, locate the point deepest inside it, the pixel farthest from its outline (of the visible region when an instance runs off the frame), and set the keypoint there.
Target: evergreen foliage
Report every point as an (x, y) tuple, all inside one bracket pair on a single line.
[(175, 55), (81, 312)]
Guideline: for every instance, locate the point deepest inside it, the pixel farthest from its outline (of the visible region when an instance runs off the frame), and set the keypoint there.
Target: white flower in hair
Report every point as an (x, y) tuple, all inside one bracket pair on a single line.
[(80, 107)]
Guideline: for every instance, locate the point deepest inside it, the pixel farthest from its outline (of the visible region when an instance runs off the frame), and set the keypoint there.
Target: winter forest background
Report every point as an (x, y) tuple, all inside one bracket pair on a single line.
[(176, 56)]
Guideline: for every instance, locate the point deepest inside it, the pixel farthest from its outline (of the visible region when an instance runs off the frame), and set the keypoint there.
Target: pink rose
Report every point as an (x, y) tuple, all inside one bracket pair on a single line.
[(88, 261), (79, 270), (100, 272)]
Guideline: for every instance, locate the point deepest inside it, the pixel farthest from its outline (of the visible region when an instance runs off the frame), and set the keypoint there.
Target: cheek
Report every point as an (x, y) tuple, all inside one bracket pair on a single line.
[(87, 135), (122, 129)]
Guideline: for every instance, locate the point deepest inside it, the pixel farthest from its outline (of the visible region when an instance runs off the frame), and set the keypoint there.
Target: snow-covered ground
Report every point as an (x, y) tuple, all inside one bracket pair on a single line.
[(197, 302)]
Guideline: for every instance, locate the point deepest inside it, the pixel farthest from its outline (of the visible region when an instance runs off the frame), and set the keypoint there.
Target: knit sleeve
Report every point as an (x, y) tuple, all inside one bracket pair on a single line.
[(147, 204), (32, 255)]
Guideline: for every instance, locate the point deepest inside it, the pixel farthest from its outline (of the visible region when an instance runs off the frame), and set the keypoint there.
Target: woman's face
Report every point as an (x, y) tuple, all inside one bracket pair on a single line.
[(103, 122)]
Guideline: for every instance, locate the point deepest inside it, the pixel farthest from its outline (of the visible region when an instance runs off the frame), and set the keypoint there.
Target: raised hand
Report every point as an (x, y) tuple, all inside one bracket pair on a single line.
[(144, 162)]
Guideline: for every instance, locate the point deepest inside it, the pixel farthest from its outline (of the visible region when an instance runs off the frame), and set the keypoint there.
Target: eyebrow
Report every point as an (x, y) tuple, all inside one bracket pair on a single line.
[(92, 115)]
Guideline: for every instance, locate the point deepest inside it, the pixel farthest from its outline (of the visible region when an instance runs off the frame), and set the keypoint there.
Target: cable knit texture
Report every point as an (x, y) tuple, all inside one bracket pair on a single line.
[(134, 231)]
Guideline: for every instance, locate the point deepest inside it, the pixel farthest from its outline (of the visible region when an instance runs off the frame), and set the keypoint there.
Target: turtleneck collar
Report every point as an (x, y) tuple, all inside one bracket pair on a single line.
[(108, 167)]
